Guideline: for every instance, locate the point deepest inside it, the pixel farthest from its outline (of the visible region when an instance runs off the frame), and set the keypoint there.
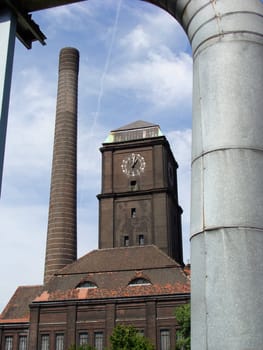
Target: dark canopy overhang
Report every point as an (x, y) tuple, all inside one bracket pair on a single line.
[(27, 30)]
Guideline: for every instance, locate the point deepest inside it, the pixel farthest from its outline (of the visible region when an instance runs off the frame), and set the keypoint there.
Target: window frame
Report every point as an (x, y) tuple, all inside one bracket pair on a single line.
[(141, 239), (165, 339), (44, 345), (87, 284), (133, 185), (98, 341), (59, 341), (9, 342), (139, 281), (126, 241), (80, 341), (22, 342), (133, 213)]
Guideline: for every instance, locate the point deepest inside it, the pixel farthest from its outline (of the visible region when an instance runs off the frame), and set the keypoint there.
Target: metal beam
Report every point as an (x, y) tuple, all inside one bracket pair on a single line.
[(36, 5), (27, 30), (7, 43)]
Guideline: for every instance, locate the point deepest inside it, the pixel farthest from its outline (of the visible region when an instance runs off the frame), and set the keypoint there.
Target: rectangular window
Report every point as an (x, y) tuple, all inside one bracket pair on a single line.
[(98, 340), (83, 338), (59, 341), (133, 185), (140, 332), (126, 241), (45, 342), (165, 339), (9, 343), (133, 212), (141, 239), (22, 342)]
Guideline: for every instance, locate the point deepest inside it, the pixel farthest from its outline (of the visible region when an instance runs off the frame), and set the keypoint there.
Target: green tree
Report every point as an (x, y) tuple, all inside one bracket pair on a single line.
[(183, 317), (128, 338)]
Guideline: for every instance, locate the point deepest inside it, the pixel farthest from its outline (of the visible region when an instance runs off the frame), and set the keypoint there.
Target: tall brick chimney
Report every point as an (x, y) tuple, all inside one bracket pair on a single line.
[(61, 248)]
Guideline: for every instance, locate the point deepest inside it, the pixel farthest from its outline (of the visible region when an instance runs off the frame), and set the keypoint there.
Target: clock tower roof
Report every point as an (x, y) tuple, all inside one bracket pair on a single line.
[(138, 124), (134, 131)]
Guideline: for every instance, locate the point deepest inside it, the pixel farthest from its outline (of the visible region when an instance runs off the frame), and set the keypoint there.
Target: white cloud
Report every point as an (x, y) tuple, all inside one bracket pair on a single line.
[(89, 157), (31, 124), (88, 227), (156, 31), (26, 178), (70, 17), (162, 81), (23, 235), (136, 41), (181, 143)]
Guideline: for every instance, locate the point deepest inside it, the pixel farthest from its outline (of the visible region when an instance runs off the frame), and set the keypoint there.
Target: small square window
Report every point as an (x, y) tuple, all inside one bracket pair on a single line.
[(141, 239), (133, 185), (140, 332), (133, 212), (126, 241), (83, 338)]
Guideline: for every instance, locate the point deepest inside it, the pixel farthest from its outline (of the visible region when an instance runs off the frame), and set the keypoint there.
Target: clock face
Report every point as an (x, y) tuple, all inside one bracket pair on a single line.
[(133, 165)]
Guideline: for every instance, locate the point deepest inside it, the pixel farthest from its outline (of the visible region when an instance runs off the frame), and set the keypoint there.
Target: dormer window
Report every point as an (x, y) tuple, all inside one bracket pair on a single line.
[(139, 282), (87, 284)]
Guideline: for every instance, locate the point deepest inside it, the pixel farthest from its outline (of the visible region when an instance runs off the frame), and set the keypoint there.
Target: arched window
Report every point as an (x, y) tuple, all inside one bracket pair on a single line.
[(139, 282), (87, 284)]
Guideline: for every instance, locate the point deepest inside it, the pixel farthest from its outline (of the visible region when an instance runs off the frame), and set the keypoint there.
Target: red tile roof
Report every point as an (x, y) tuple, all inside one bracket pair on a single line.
[(128, 291), (116, 259), (111, 270), (17, 310)]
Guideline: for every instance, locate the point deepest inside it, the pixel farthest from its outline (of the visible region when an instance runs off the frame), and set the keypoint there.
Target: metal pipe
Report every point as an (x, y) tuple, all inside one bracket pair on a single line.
[(227, 167)]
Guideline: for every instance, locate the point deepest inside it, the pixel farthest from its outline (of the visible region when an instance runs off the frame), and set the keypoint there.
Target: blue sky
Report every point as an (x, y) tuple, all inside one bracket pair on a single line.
[(135, 63)]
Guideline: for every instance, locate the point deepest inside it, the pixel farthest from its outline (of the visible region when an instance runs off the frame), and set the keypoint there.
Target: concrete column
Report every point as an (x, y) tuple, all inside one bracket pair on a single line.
[(7, 46), (227, 168), (61, 246)]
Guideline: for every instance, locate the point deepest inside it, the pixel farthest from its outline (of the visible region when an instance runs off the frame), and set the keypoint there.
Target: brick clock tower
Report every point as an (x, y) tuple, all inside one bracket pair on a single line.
[(139, 200)]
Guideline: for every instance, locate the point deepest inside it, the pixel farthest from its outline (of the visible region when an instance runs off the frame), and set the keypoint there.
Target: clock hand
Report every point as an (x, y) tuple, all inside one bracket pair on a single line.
[(134, 162)]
